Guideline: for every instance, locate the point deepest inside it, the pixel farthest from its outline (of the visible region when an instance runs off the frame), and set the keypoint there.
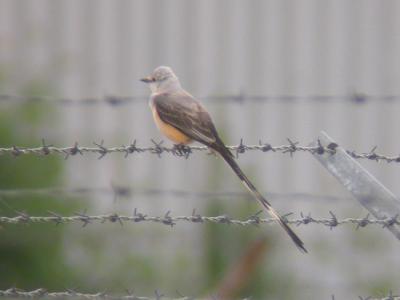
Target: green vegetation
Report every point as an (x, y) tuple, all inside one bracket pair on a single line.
[(30, 256)]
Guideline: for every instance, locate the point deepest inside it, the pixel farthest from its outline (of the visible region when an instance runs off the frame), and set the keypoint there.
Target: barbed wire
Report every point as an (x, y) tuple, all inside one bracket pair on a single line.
[(157, 148), (125, 192), (169, 220), (42, 293), (240, 98), (185, 151)]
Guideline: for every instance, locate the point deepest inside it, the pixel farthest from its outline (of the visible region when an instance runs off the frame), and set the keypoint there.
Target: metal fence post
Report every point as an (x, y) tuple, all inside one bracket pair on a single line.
[(371, 193)]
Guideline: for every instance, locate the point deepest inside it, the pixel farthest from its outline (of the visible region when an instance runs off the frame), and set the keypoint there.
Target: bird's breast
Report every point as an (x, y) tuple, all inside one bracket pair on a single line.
[(169, 131)]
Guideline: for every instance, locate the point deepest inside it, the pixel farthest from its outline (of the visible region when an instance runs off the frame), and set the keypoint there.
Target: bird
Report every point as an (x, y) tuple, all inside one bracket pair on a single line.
[(183, 119)]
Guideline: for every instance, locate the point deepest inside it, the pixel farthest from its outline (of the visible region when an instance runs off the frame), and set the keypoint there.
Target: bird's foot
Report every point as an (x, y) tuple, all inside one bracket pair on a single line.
[(181, 150)]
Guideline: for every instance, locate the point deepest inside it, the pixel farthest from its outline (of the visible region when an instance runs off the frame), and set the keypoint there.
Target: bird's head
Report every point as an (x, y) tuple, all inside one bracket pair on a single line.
[(161, 79)]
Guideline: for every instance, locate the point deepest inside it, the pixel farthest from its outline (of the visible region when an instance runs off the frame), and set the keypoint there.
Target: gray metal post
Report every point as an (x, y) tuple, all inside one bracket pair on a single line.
[(372, 194)]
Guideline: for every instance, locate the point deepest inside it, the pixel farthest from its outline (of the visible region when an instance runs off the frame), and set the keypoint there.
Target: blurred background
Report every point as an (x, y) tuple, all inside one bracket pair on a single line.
[(316, 65)]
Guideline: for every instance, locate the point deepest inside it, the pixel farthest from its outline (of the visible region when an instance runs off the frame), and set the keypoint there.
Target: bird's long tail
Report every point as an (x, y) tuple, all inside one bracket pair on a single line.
[(228, 157)]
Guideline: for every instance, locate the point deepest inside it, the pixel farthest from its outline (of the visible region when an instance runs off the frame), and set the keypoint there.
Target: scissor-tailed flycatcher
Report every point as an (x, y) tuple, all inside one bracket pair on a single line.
[(183, 119)]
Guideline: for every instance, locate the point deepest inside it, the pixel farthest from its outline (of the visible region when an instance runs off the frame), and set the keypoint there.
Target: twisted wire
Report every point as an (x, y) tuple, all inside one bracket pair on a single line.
[(185, 151), (169, 220), (239, 98), (42, 293), (117, 191)]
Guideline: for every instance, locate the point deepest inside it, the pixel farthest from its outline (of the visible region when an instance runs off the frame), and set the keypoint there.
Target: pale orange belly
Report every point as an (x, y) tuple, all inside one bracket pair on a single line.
[(169, 131)]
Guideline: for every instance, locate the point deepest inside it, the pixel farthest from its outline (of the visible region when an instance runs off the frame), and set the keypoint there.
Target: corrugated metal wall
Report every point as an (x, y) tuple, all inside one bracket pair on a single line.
[(96, 48)]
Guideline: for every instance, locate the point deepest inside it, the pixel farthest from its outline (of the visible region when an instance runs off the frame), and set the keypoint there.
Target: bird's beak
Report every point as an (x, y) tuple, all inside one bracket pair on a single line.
[(147, 79)]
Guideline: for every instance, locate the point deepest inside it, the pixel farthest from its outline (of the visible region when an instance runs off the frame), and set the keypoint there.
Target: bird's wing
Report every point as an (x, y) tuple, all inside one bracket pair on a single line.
[(183, 112)]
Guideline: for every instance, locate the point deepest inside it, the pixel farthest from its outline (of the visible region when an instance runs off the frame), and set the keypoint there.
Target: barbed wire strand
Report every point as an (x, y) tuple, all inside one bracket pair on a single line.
[(169, 220), (185, 151), (42, 293), (126, 192), (240, 98)]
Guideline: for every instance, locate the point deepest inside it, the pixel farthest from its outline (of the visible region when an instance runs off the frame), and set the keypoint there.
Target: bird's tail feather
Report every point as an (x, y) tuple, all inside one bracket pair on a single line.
[(228, 157)]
